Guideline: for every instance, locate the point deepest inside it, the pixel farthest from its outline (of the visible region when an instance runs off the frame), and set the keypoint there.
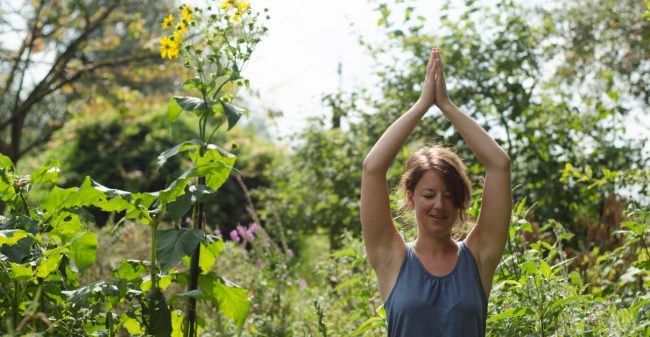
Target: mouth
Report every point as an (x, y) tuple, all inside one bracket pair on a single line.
[(438, 217)]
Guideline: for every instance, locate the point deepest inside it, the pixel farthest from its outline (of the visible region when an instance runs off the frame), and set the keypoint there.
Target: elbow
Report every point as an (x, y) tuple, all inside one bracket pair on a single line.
[(372, 167), (502, 163)]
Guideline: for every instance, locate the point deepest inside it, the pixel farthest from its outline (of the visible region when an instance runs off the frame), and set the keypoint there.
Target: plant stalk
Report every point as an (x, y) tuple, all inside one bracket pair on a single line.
[(198, 222)]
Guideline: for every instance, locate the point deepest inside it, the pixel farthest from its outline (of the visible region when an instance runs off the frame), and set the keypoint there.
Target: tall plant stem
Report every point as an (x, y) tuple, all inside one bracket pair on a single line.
[(198, 221), (154, 244)]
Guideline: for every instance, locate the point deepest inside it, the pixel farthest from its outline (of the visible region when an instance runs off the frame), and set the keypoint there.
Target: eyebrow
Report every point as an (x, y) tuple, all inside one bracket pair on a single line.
[(433, 190)]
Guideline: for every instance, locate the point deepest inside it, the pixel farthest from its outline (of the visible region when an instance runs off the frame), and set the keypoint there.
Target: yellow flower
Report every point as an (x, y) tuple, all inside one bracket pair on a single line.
[(167, 22), (176, 38), (227, 4), (186, 12), (242, 6), (168, 48), (181, 28)]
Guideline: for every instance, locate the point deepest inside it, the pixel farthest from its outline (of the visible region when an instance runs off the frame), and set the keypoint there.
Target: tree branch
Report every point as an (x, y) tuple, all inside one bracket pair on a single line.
[(45, 136), (44, 86), (21, 50)]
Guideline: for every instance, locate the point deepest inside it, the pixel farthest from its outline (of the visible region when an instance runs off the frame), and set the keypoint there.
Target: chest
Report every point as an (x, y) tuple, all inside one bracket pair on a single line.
[(440, 266)]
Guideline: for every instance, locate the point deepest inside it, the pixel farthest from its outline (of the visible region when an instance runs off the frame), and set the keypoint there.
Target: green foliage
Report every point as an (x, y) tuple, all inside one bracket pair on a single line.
[(497, 65), (537, 291), (45, 244), (54, 243), (323, 177)]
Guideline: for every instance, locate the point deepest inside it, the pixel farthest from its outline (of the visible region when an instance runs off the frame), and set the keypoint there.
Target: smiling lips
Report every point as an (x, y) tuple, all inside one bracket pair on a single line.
[(438, 217)]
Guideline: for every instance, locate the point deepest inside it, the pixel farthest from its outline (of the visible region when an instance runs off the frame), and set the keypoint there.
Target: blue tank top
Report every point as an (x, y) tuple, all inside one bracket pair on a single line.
[(425, 305)]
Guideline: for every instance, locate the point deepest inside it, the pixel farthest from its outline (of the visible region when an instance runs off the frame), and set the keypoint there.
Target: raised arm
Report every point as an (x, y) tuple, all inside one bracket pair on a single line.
[(487, 239), (383, 242)]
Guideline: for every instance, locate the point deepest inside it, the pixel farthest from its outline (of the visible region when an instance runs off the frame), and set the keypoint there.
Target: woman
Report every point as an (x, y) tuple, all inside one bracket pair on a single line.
[(436, 286)]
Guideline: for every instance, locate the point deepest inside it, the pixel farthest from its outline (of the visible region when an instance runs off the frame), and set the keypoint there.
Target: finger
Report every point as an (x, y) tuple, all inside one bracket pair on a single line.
[(434, 71), (439, 67), (430, 62), (439, 63)]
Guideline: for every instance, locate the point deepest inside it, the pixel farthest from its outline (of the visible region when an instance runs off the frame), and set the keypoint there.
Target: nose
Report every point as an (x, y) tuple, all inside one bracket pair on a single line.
[(438, 201)]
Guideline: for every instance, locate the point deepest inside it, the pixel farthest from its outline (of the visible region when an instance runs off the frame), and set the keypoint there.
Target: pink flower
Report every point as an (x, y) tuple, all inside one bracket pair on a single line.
[(592, 319), (188, 221), (302, 284), (217, 233), (253, 228), (241, 230), (289, 252), (248, 236), (234, 236)]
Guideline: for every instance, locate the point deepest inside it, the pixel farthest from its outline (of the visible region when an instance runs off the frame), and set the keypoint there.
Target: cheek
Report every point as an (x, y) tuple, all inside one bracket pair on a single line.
[(423, 203)]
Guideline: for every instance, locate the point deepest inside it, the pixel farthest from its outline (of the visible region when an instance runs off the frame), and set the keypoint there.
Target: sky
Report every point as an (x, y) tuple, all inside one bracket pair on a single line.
[(296, 63)]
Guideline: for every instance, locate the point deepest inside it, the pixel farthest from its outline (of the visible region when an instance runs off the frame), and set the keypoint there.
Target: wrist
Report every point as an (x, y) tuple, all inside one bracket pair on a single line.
[(445, 105), (422, 105)]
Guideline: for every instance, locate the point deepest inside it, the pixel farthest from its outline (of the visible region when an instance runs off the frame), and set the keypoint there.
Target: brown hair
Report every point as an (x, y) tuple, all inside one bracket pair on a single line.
[(445, 162)]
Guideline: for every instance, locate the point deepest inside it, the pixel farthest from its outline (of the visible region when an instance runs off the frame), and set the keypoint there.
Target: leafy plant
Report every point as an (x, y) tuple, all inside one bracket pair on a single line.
[(44, 243)]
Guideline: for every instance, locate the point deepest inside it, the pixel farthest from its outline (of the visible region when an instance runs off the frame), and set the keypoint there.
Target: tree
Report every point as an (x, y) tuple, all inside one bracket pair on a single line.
[(498, 62), (503, 66), (70, 52)]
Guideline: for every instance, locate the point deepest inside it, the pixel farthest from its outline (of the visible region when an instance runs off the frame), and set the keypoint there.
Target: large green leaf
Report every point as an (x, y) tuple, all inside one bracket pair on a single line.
[(232, 300), (135, 205), (156, 314), (209, 254), (176, 188), (16, 244), (190, 145), (173, 110), (233, 113), (49, 262), (95, 292), (178, 317), (173, 244), (6, 163), (59, 198), (48, 173), (55, 199), (83, 250), (22, 272), (215, 165), (87, 194), (191, 104), (12, 236), (130, 270), (82, 244), (19, 252), (7, 190), (193, 194)]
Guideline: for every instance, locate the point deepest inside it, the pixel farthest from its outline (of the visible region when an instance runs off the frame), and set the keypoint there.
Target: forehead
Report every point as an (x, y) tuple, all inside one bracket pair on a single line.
[(431, 180)]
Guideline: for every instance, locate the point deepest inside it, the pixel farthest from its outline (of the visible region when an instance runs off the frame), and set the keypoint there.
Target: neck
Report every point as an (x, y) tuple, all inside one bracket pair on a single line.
[(435, 246)]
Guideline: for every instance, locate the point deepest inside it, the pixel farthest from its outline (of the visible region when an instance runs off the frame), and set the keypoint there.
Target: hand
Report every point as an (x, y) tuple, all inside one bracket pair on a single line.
[(441, 96), (428, 96)]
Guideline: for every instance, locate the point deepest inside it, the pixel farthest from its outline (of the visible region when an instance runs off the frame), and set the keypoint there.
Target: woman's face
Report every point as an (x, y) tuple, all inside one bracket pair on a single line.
[(435, 211)]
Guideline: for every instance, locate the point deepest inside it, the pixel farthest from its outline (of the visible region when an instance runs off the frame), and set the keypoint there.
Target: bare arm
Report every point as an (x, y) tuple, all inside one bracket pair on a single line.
[(488, 238), (382, 240)]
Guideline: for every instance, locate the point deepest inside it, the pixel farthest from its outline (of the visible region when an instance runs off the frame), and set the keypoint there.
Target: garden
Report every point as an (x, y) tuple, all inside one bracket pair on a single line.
[(140, 193)]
